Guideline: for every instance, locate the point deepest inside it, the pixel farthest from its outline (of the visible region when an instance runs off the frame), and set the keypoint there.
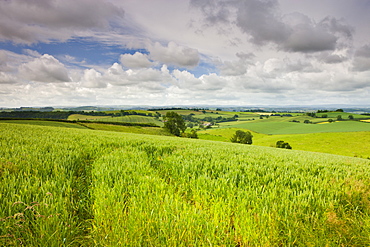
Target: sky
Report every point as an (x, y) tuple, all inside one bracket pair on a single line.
[(184, 52)]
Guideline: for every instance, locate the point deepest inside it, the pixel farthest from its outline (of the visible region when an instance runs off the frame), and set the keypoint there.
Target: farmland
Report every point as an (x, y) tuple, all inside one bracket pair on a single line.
[(127, 119), (64, 186), (318, 132)]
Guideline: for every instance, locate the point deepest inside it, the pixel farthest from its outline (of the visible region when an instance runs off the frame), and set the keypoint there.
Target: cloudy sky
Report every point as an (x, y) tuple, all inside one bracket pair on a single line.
[(184, 52)]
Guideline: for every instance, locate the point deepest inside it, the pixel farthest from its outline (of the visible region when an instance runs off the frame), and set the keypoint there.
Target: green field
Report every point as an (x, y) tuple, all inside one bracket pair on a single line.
[(128, 129), (79, 187), (280, 128), (45, 123), (125, 119), (342, 143), (353, 144)]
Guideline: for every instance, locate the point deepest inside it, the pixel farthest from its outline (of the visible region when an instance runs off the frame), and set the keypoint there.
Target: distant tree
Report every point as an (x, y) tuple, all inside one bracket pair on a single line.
[(339, 117), (282, 144), (339, 110), (192, 134), (307, 121), (330, 120), (242, 137), (350, 117), (174, 123), (190, 125), (324, 115)]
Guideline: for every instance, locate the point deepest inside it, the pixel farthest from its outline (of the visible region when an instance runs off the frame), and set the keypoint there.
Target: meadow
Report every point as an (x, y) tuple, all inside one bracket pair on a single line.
[(352, 144), (126, 119), (279, 128), (79, 187)]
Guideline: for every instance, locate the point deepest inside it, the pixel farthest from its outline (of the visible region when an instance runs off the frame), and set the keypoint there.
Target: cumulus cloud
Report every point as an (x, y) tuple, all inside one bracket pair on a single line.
[(24, 21), (137, 60), (332, 58), (362, 59), (264, 24), (174, 54), (44, 69), (92, 79), (237, 67), (259, 19), (7, 78), (3, 60), (188, 81), (143, 80)]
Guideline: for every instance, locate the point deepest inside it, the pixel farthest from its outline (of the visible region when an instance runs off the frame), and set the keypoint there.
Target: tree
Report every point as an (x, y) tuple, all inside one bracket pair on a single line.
[(242, 137), (350, 117), (339, 117), (192, 134), (190, 125), (174, 123), (282, 144)]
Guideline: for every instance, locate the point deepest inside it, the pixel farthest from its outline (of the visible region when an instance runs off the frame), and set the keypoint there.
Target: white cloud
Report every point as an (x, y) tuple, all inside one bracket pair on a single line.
[(92, 79), (174, 54), (283, 54), (44, 69), (32, 53), (3, 60), (263, 24), (137, 60), (24, 21), (362, 59), (7, 78)]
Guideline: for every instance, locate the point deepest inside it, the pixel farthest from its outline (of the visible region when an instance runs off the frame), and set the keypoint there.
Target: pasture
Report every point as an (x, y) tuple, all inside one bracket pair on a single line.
[(69, 187), (125, 119), (46, 123), (281, 128)]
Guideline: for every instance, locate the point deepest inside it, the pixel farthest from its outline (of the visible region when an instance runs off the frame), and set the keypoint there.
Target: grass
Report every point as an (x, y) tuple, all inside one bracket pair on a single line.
[(279, 128), (85, 117), (128, 129), (126, 119), (340, 143), (45, 123), (97, 188)]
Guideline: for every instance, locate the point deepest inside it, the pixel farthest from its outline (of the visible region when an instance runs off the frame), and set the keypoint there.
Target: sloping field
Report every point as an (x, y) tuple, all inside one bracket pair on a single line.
[(279, 128), (125, 119), (45, 123), (352, 144), (128, 129), (64, 187)]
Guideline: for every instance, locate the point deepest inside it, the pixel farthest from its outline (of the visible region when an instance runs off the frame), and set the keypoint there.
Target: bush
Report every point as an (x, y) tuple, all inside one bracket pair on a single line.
[(282, 144), (192, 134), (242, 137)]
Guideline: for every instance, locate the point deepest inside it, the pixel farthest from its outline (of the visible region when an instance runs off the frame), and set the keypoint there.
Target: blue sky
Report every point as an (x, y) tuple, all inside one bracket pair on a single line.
[(177, 52)]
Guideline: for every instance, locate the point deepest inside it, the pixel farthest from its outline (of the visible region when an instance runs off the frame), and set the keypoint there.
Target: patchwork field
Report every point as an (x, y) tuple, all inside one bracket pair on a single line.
[(280, 128), (45, 123), (126, 119), (352, 143), (79, 187)]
